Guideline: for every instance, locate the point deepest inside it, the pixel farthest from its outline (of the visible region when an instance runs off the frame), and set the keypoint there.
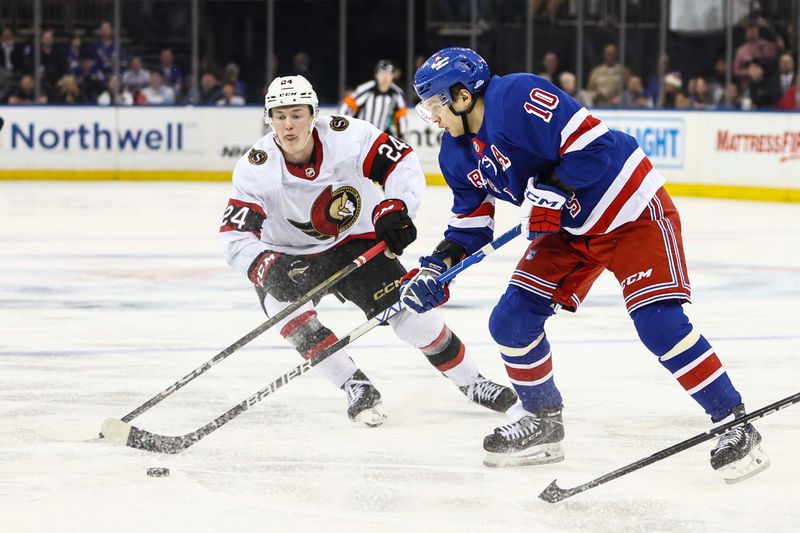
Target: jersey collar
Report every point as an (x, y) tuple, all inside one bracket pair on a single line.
[(310, 170)]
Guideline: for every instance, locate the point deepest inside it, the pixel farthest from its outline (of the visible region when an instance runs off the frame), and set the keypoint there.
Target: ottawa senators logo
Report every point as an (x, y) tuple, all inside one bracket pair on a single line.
[(257, 157), (339, 123), (333, 212)]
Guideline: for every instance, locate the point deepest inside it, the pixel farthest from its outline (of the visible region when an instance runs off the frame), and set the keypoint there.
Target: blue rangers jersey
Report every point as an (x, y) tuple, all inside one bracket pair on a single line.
[(533, 128)]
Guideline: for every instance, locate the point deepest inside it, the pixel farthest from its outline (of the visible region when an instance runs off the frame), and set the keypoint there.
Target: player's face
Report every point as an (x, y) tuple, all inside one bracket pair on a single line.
[(434, 111), (292, 125)]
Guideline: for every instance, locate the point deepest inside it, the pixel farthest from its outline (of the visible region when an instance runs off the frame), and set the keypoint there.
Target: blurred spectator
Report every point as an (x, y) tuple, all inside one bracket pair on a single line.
[(137, 77), (103, 51), (231, 75), (209, 91), (73, 55), (550, 67), (53, 63), (672, 88), (229, 96), (654, 82), (26, 92), (68, 91), (5, 84), (301, 66), (90, 76), (763, 91), (567, 82), (699, 94), (635, 96), (791, 98), (12, 54), (606, 80), (124, 96), (730, 98), (157, 93), (754, 47), (716, 81), (786, 71), (682, 101), (170, 72)]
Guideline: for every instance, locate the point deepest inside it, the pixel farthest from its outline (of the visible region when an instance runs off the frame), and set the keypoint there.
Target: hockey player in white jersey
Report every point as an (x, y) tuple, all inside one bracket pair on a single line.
[(304, 204)]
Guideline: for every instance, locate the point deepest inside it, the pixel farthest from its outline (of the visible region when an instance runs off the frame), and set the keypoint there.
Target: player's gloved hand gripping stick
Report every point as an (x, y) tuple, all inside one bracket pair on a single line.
[(327, 284), (121, 432)]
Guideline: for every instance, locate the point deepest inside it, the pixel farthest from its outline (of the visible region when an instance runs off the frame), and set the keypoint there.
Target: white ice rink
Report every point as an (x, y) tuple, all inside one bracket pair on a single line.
[(109, 292)]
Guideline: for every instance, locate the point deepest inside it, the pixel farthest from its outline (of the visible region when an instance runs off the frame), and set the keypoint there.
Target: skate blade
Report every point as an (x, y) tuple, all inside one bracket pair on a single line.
[(535, 455), (372, 417), (746, 467)]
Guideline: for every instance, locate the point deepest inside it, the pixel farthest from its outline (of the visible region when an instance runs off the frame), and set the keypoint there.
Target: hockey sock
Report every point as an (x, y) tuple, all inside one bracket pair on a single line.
[(667, 332), (530, 370), (441, 346), (449, 355), (517, 326), (309, 337)]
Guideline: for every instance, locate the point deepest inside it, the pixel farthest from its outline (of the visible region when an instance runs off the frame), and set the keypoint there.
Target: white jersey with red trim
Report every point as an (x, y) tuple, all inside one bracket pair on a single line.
[(301, 210), (532, 128)]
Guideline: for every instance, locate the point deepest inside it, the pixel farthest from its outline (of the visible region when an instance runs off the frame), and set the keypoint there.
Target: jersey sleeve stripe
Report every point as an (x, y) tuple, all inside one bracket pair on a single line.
[(380, 163), (255, 207), (626, 198), (481, 217), (580, 131)]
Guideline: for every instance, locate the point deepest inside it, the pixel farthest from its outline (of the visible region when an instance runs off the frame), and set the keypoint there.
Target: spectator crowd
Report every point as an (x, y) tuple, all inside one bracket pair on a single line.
[(83, 73), (764, 76)]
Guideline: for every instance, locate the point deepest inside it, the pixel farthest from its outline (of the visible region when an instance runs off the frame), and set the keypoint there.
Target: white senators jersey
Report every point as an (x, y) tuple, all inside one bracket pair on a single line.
[(300, 210)]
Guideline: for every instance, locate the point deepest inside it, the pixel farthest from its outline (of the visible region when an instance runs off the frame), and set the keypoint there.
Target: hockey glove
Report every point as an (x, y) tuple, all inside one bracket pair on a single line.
[(285, 277), (540, 212), (393, 225), (420, 291)]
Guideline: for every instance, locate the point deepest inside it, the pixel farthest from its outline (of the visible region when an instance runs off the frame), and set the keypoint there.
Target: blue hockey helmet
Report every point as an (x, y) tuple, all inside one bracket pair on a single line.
[(446, 68)]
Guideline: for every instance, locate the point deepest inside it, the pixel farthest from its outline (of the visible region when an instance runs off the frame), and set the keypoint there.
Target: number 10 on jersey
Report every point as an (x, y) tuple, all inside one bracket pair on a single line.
[(543, 103)]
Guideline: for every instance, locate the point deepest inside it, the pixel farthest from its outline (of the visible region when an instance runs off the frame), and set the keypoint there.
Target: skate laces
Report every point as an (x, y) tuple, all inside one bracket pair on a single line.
[(523, 427), (354, 389), (483, 390), (732, 439)]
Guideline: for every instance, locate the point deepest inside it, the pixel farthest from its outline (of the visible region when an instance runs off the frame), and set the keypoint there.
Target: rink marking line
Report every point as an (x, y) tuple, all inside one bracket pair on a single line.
[(285, 347)]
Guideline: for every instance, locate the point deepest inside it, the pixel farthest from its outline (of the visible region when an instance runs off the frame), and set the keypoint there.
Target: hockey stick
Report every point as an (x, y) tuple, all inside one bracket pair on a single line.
[(328, 283), (553, 493), (134, 437)]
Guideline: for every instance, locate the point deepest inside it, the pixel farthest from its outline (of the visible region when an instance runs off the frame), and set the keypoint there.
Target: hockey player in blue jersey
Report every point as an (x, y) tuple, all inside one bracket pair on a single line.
[(589, 200)]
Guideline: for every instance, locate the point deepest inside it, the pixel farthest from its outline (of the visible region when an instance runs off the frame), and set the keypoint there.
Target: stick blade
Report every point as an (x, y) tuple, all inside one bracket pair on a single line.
[(116, 430), (553, 493)]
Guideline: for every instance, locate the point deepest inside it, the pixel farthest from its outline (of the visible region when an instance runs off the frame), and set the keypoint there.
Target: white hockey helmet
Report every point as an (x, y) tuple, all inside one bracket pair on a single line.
[(290, 90)]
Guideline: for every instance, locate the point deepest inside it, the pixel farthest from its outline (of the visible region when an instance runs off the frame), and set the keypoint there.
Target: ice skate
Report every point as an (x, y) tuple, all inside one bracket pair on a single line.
[(364, 400), (534, 439), (490, 394), (738, 454)]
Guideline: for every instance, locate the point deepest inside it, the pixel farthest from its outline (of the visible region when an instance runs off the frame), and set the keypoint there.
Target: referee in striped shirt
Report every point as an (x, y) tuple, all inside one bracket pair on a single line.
[(379, 101)]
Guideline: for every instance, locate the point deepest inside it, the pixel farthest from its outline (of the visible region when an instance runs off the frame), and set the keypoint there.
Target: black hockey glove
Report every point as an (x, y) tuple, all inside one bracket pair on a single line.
[(285, 277), (393, 225)]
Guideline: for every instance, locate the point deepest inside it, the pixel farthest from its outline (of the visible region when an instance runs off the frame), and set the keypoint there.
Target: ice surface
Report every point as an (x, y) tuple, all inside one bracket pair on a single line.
[(109, 292)]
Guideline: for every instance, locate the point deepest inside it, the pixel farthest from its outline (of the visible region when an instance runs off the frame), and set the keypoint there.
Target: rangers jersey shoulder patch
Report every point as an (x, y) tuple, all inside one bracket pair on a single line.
[(339, 123), (257, 157)]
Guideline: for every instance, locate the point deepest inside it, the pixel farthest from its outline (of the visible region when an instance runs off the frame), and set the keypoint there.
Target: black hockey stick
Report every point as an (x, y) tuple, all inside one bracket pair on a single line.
[(553, 493), (134, 437), (327, 284)]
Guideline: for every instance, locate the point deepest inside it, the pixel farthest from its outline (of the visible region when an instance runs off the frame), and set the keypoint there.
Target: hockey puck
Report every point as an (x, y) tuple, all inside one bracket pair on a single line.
[(158, 472)]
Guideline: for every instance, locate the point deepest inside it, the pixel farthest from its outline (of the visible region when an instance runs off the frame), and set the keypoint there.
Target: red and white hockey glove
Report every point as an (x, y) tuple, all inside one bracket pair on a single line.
[(285, 277), (393, 225), (540, 211)]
